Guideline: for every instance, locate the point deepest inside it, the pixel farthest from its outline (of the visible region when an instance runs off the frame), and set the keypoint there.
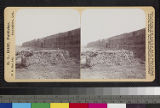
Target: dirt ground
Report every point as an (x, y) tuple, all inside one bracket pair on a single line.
[(111, 64), (46, 64), (64, 71), (113, 72)]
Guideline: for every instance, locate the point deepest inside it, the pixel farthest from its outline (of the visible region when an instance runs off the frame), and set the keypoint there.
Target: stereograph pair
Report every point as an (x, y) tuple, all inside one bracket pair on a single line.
[(79, 44)]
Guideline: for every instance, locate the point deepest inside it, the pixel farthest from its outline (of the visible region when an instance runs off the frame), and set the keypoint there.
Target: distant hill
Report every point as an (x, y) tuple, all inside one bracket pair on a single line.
[(134, 41)]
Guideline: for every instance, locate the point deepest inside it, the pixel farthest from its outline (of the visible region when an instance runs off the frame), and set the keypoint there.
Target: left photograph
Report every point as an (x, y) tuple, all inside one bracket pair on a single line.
[(47, 44)]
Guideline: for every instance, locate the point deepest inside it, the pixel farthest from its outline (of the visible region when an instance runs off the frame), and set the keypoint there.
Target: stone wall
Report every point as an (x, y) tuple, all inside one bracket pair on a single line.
[(133, 41), (67, 41), (111, 58)]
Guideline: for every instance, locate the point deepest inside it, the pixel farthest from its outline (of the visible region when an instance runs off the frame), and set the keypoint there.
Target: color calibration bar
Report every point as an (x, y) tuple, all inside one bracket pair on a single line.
[(75, 105)]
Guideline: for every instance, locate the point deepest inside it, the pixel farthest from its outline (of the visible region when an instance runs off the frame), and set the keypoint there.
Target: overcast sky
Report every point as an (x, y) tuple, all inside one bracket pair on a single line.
[(38, 23), (95, 23), (104, 23)]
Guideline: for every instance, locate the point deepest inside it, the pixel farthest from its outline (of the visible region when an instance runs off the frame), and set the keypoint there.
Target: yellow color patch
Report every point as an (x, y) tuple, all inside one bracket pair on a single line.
[(59, 105)]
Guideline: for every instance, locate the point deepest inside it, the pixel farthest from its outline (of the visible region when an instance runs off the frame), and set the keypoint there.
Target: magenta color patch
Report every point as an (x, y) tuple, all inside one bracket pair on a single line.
[(95, 105)]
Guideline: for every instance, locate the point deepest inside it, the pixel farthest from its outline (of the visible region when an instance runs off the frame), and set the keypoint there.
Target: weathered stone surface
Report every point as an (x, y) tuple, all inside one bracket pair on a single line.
[(69, 40), (109, 57), (133, 41), (42, 57)]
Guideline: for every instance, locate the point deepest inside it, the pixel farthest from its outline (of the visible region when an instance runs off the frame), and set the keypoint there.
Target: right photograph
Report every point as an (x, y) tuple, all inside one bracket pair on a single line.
[(113, 44)]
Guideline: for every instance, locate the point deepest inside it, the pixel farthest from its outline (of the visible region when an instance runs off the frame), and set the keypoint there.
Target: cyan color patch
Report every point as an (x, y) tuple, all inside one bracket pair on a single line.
[(5, 105), (21, 105)]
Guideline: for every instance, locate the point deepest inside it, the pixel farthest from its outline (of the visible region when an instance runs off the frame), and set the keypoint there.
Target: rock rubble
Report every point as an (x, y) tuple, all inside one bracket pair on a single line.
[(109, 57), (42, 57)]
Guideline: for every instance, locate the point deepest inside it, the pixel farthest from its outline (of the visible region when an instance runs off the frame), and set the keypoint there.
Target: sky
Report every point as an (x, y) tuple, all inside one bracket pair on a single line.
[(95, 23), (38, 23), (104, 23)]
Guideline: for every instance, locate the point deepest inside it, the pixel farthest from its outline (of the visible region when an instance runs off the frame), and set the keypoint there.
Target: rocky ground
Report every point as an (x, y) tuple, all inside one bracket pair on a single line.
[(110, 64), (45, 64)]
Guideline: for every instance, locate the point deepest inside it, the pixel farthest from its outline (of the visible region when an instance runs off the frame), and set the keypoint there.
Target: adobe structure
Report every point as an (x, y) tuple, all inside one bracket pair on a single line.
[(69, 40), (133, 41)]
